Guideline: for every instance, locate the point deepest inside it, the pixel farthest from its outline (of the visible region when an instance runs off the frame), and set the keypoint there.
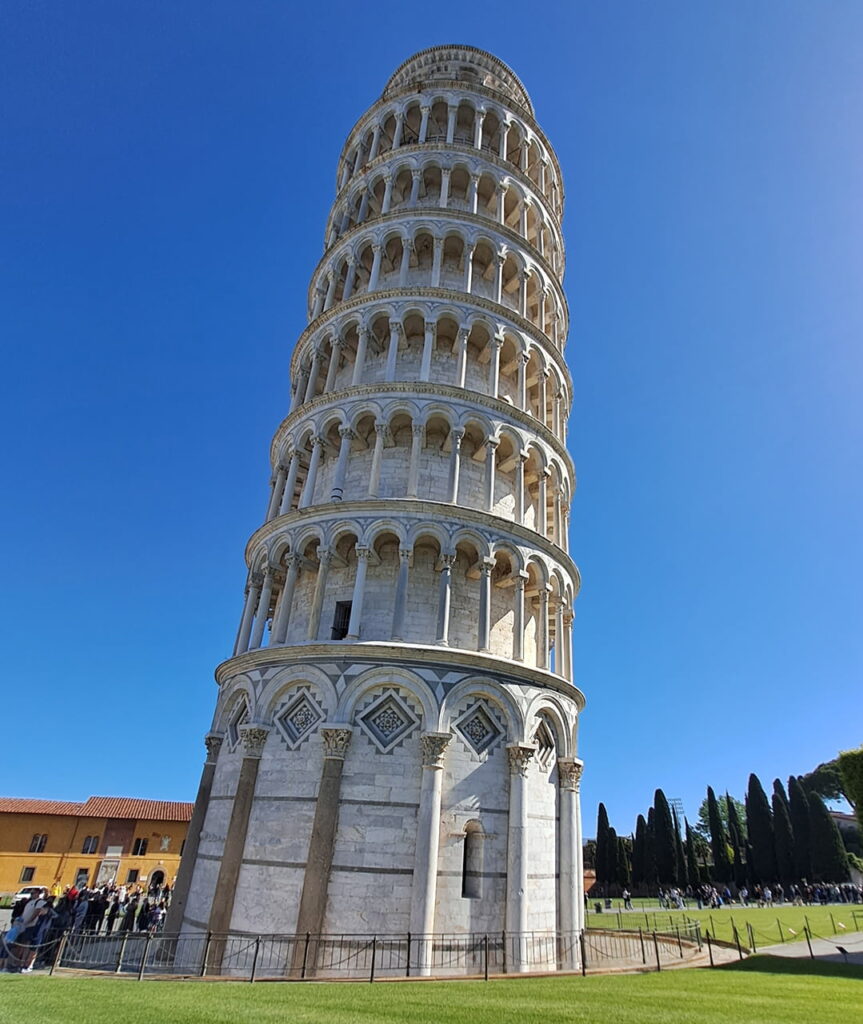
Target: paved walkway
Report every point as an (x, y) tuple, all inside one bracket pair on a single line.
[(823, 949)]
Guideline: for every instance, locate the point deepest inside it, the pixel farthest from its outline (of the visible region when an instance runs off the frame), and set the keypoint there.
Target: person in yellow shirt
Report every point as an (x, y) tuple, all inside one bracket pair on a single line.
[(56, 889)]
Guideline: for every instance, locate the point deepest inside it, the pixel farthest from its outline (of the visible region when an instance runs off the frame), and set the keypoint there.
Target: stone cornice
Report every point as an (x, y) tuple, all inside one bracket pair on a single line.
[(392, 507), (426, 213), (400, 654), (443, 295), (362, 123), (507, 169), (426, 388)]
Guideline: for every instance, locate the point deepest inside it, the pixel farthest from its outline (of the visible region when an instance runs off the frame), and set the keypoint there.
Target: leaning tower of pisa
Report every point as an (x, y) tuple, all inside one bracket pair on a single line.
[(394, 743)]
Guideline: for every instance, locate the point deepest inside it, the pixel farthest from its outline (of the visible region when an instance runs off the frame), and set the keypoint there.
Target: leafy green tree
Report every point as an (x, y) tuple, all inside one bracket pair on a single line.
[(737, 840), (759, 823), (851, 769), (691, 856), (602, 846), (666, 849), (798, 806), (650, 849), (679, 853), (639, 851), (783, 834), (724, 803), (718, 841), (827, 781), (829, 859)]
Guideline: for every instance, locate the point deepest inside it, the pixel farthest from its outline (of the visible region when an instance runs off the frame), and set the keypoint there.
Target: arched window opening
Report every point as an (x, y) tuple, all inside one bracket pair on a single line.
[(472, 864)]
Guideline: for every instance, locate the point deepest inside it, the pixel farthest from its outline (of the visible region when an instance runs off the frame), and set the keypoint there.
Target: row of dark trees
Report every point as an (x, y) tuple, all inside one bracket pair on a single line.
[(788, 838)]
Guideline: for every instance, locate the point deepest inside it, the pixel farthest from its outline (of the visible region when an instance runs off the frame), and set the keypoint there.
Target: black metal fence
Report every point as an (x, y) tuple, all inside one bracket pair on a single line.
[(307, 957)]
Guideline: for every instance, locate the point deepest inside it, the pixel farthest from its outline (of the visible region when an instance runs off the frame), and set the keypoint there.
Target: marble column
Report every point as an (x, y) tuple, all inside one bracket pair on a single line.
[(496, 344), (393, 350), (491, 446), (424, 123), (542, 510), (461, 365), (484, 628), (436, 263), (570, 883), (253, 737), (332, 369), (290, 483), (428, 349), (319, 861), (174, 919), (276, 493), (377, 457), (401, 594), (519, 756), (454, 460), (356, 619), (424, 892), (346, 435), (252, 594), (308, 495), (313, 375), (417, 435), (521, 459), (263, 610), (542, 629), (324, 560), (388, 194), (444, 187), (286, 603), (444, 593), (407, 249), (374, 276), (518, 616), (416, 181), (360, 361)]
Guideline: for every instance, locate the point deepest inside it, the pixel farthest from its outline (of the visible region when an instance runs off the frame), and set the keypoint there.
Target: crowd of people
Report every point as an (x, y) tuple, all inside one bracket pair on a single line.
[(38, 922), (759, 896)]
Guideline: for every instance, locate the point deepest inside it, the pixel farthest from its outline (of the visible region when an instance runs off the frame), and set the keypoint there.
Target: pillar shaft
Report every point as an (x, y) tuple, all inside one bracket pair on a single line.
[(516, 854)]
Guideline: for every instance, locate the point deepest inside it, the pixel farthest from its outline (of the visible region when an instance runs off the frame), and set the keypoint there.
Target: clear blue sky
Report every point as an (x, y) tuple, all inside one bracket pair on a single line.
[(165, 174)]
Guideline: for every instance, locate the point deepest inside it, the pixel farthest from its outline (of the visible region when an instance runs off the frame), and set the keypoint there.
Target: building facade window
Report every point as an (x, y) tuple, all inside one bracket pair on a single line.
[(91, 844), (27, 874), (37, 843), (471, 877), (341, 620), (165, 844), (132, 876), (139, 848)]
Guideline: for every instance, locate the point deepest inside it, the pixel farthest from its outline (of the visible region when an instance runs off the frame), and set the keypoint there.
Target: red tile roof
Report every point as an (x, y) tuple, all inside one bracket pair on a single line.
[(102, 807)]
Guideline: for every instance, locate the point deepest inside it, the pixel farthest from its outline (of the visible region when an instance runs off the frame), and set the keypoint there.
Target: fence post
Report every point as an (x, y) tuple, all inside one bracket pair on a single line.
[(206, 954), (779, 926), (255, 959), (752, 945), (710, 949), (656, 950), (143, 966), (61, 946), (408, 969), (643, 950), (374, 950), (305, 955), (503, 948), (809, 942), (737, 940), (485, 955), (832, 923), (619, 919), (679, 943), (583, 953), (122, 952)]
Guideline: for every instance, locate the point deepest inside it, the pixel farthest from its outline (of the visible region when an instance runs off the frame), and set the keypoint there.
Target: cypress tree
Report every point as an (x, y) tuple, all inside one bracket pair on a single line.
[(666, 850), (783, 834), (650, 849), (691, 859), (759, 824), (798, 804), (612, 858), (624, 872), (680, 855), (829, 859), (718, 842), (602, 845), (639, 851), (735, 835)]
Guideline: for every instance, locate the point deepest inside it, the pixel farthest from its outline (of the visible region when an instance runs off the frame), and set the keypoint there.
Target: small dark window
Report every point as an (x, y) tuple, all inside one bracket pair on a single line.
[(471, 876), (37, 843), (91, 844), (139, 848), (132, 876), (27, 874), (82, 877), (341, 620)]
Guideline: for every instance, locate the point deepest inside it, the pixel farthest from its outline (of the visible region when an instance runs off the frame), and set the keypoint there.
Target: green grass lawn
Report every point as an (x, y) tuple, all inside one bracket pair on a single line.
[(771, 925), (762, 990)]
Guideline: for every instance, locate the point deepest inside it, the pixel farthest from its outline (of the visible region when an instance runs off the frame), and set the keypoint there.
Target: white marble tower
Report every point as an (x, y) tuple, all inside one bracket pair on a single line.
[(394, 743)]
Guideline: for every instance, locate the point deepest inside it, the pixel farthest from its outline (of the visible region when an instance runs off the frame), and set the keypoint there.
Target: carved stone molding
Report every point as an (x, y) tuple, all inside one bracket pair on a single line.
[(253, 737), (213, 742), (336, 739), (569, 771), (519, 758), (433, 745)]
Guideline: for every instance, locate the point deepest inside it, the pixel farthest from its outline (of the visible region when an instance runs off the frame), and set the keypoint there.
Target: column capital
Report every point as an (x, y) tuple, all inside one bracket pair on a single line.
[(362, 552), (445, 171), (447, 560), (463, 332), (395, 326), (336, 341), (416, 173), (521, 577), (519, 755), (376, 247), (497, 341), (569, 771), (346, 432), (405, 554), (325, 557), (501, 258), (253, 737), (213, 743), (418, 429), (293, 559), (486, 565), (457, 433), (256, 579), (433, 746), (336, 739), (318, 441), (492, 443)]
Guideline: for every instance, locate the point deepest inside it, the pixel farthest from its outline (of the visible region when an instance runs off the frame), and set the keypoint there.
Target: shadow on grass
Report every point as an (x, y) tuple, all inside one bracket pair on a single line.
[(794, 965)]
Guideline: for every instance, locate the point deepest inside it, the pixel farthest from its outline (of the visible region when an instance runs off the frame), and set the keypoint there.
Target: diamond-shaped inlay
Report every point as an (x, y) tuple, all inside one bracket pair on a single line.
[(478, 729), (239, 717), (388, 721), (299, 718)]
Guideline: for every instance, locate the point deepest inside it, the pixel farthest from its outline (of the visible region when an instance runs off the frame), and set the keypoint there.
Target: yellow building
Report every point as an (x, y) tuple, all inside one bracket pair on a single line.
[(106, 838)]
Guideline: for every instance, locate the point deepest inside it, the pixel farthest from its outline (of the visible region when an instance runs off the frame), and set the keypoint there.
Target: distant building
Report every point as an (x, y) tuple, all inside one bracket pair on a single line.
[(104, 838)]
